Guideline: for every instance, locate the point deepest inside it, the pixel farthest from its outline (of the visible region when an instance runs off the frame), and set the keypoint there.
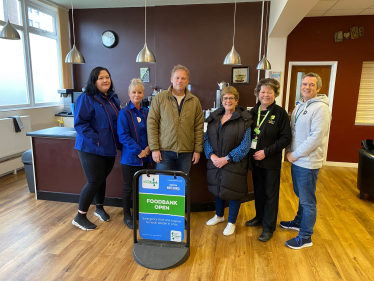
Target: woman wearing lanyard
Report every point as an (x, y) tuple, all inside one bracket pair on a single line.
[(132, 132), (95, 120), (271, 133)]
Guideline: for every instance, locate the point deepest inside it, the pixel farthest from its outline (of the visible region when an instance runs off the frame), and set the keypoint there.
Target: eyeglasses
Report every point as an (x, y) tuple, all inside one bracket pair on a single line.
[(229, 98)]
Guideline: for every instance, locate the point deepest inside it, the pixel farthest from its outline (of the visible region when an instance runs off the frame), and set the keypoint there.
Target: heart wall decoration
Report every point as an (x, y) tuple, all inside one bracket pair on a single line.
[(353, 33)]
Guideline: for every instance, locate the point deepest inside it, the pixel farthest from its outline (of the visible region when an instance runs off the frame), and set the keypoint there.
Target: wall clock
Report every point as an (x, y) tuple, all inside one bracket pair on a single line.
[(109, 38)]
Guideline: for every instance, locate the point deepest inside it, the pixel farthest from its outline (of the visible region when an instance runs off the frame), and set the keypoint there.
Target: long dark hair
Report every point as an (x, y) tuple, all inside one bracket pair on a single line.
[(91, 89)]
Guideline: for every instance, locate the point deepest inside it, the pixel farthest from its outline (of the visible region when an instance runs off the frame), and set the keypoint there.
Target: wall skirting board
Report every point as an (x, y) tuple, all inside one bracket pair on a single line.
[(117, 202), (341, 164)]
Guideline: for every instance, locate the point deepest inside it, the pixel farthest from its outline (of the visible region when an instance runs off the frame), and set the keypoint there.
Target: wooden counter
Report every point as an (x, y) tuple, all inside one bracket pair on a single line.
[(59, 175)]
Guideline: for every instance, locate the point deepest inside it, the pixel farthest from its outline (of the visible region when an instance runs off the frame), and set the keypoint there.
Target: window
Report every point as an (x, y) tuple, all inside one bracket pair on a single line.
[(40, 20), (30, 72), (13, 84), (365, 104)]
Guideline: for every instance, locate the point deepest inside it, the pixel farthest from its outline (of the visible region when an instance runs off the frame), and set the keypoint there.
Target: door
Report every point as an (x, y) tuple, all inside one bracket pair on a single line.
[(297, 72)]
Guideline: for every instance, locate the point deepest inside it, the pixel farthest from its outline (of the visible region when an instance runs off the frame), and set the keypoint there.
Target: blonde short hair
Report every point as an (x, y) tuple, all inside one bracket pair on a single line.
[(231, 91), (180, 67), (136, 82)]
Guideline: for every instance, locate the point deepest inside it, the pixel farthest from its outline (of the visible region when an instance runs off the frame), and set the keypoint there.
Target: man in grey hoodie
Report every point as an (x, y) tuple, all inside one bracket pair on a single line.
[(310, 125)]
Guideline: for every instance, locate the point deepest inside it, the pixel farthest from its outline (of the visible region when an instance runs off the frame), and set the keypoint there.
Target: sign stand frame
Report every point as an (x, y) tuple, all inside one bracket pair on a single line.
[(157, 254)]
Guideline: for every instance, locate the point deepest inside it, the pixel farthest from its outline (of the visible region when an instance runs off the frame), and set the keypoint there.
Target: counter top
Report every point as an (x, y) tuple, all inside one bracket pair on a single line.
[(54, 132), (64, 115)]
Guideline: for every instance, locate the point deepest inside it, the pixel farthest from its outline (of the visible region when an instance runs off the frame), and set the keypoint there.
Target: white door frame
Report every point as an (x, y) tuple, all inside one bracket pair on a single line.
[(334, 66)]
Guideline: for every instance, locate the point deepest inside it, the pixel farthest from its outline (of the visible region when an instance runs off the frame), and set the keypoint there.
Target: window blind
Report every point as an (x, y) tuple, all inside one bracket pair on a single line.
[(365, 105)]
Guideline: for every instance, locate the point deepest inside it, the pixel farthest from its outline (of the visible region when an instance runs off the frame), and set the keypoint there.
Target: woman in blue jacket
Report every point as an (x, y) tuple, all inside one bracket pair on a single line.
[(132, 133), (95, 120)]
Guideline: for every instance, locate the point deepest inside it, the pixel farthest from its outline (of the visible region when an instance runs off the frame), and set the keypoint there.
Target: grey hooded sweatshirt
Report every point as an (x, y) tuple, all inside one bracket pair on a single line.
[(310, 125)]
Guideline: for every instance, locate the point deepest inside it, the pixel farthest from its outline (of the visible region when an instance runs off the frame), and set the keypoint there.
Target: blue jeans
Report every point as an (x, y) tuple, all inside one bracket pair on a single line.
[(304, 184), (234, 206), (175, 161)]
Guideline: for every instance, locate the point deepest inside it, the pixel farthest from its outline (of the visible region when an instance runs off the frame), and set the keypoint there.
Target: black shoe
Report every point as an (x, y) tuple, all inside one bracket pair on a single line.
[(127, 219), (253, 222), (101, 214), (83, 223), (265, 236)]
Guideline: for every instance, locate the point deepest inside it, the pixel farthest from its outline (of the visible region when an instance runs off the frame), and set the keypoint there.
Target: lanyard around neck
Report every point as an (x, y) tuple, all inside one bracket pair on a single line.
[(298, 115), (258, 118)]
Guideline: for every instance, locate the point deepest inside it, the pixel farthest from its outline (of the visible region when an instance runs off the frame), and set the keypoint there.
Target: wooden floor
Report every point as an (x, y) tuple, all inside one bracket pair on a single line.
[(38, 241)]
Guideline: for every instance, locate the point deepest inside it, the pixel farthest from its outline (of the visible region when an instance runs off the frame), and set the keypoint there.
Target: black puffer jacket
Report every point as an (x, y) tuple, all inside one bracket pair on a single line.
[(229, 182)]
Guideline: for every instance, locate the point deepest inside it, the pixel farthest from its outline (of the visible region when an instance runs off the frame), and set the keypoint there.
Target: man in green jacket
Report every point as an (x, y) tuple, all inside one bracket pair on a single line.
[(175, 125)]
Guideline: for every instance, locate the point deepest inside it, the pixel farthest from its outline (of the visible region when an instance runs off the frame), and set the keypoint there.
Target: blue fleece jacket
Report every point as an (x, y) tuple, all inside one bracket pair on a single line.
[(95, 120), (132, 133)]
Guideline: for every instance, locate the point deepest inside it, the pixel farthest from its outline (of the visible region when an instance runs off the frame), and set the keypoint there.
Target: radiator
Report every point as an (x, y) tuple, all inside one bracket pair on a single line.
[(12, 143)]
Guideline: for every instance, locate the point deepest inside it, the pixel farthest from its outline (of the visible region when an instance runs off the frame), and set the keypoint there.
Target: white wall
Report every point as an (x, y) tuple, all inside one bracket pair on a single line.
[(41, 118), (277, 58)]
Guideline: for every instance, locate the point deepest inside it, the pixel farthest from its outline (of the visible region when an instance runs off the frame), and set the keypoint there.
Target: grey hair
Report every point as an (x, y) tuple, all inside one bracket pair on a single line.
[(180, 67), (319, 80)]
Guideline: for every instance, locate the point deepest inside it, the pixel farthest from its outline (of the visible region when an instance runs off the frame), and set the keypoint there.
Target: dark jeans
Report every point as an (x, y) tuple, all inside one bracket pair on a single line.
[(128, 175), (96, 169), (304, 184), (266, 188), (181, 161), (234, 206)]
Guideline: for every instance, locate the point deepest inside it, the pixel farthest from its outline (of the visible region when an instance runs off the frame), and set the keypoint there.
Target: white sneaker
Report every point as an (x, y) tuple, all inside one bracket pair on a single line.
[(229, 230), (215, 220)]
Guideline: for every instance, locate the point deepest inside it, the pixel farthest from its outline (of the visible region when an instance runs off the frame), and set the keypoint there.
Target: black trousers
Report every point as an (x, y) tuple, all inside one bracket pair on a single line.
[(128, 175), (266, 184), (96, 169)]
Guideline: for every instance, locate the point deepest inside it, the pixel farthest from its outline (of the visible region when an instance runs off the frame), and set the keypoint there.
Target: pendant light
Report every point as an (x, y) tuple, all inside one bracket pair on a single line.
[(74, 56), (233, 58), (264, 63), (8, 31), (145, 55)]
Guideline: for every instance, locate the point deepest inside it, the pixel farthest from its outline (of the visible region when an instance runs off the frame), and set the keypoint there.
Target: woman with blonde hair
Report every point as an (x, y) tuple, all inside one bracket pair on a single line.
[(132, 133)]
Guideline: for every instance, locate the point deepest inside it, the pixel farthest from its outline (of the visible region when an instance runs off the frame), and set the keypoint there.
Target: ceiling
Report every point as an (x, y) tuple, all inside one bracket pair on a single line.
[(95, 4), (326, 8), (323, 8)]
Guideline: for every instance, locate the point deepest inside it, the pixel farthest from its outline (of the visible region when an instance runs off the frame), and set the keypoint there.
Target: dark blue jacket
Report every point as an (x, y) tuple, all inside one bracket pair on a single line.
[(132, 133), (95, 120)]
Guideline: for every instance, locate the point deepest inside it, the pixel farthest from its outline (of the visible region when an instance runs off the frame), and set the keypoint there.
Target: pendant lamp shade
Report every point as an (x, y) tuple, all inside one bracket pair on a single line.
[(233, 58), (9, 32), (145, 55), (74, 56), (263, 64)]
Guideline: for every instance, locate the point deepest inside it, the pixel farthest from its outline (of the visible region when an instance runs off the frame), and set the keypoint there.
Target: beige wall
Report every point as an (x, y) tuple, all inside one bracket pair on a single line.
[(41, 118)]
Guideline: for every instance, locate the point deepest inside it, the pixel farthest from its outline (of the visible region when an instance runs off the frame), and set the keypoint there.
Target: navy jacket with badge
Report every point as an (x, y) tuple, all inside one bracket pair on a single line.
[(95, 120), (274, 137), (132, 133)]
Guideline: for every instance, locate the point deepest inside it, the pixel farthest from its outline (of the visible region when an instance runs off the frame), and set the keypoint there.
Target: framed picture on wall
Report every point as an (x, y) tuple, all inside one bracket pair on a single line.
[(240, 75), (144, 74)]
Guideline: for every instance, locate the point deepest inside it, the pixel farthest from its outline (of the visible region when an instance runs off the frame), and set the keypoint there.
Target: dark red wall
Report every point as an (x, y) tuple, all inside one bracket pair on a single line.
[(313, 40), (197, 36)]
